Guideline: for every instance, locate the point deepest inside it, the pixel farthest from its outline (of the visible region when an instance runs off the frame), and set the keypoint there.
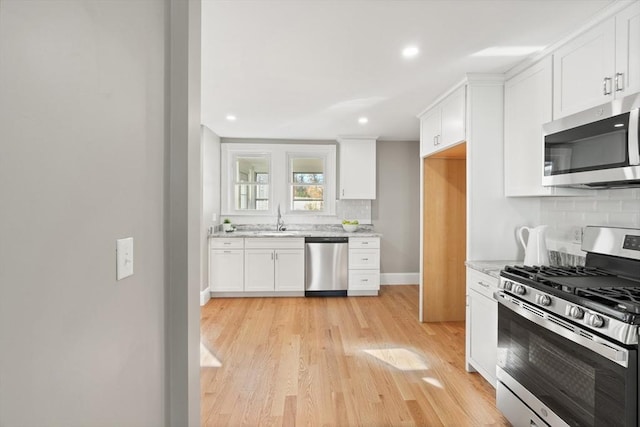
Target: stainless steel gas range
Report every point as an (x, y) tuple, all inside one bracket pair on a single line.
[(568, 337)]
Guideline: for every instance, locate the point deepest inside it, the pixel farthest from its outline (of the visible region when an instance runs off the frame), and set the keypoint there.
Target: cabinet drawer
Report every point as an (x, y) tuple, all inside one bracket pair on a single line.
[(226, 243), (275, 243), (482, 283), (364, 259), (364, 280), (364, 243)]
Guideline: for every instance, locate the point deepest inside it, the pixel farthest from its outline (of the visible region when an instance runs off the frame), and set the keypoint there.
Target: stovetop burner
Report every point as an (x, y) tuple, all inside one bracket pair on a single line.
[(591, 287)]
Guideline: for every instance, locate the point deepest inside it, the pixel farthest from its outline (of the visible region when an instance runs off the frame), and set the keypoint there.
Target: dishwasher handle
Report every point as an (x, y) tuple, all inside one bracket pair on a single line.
[(326, 240)]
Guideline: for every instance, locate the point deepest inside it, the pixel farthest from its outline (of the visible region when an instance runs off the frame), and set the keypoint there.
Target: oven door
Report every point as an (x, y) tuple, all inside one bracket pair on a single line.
[(562, 372)]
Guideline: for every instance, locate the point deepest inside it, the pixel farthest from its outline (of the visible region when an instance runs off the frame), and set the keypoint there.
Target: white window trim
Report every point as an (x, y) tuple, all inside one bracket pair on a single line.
[(328, 155), (279, 181)]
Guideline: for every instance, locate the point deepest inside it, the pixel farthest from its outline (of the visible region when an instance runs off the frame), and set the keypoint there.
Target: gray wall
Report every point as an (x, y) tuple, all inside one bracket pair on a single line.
[(395, 212), (210, 195), (82, 163)]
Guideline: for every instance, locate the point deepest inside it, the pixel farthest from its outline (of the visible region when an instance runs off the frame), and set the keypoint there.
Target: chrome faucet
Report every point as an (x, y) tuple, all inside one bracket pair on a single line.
[(280, 223)]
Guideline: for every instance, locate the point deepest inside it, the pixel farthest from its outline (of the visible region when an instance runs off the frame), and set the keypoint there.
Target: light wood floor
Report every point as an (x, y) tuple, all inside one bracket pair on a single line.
[(357, 361)]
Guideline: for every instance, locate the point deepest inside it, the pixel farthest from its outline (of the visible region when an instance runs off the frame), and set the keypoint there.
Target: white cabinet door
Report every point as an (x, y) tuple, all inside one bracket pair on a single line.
[(453, 118), (289, 270), (583, 71), (627, 78), (482, 320), (429, 132), (357, 168), (444, 125), (226, 270), (258, 270)]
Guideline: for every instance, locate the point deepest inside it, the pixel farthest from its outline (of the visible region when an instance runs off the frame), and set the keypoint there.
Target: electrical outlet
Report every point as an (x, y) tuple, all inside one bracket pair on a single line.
[(576, 234)]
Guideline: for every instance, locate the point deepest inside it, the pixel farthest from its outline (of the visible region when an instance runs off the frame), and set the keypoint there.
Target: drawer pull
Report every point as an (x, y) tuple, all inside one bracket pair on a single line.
[(484, 285), (365, 243), (365, 280), (365, 259), (226, 243), (227, 252)]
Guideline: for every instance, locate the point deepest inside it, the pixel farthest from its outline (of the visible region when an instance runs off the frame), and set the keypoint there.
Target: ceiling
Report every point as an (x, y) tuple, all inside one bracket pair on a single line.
[(309, 69)]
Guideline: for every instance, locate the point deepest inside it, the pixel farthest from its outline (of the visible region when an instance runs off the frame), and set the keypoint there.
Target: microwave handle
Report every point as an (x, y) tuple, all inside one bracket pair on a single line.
[(634, 147)]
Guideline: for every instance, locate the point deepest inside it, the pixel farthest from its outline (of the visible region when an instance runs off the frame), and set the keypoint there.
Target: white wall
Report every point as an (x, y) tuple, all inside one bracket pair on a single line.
[(210, 195), (82, 163), (396, 211)]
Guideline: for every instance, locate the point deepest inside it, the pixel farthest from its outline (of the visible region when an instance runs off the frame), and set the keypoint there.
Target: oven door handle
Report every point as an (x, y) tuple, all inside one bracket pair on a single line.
[(569, 331)]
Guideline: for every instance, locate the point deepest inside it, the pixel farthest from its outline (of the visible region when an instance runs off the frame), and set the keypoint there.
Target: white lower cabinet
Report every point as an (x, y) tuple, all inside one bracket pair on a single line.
[(364, 266), (226, 264), (481, 324), (259, 270), (289, 270), (274, 265)]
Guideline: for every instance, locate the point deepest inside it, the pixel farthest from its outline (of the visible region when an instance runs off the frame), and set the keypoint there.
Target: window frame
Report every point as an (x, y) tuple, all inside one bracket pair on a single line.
[(280, 179)]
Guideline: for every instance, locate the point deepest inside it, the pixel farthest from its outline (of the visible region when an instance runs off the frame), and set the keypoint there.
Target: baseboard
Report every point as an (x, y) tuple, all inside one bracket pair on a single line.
[(399, 278), (205, 296)]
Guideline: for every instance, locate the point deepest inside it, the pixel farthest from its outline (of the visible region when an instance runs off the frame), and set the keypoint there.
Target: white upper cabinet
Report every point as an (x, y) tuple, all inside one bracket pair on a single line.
[(528, 99), (357, 168), (599, 65), (527, 106), (443, 125), (627, 78)]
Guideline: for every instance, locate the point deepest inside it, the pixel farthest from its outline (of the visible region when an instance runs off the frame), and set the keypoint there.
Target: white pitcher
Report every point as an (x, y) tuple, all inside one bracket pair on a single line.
[(535, 248)]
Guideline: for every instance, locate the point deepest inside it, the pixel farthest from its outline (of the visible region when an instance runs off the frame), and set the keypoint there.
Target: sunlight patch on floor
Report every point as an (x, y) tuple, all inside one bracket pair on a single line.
[(433, 381), (207, 359), (399, 358)]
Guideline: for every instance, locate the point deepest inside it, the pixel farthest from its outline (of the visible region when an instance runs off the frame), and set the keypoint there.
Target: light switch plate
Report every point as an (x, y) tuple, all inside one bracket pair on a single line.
[(124, 258)]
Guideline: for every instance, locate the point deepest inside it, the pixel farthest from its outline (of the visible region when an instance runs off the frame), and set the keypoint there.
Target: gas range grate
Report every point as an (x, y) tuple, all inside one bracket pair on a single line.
[(625, 299), (539, 273)]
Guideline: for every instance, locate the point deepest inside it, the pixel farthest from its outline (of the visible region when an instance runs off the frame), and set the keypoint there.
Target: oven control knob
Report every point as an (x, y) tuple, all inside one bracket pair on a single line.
[(543, 300), (576, 312), (519, 290), (594, 320), (507, 285)]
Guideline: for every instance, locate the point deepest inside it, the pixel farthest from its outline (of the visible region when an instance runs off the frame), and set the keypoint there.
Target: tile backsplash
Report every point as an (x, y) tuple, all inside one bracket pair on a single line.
[(619, 208), (354, 209), (616, 208)]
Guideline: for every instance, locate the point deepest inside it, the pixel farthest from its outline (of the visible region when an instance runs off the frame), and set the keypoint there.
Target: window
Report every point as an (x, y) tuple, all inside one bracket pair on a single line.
[(257, 178), (251, 183), (307, 184)]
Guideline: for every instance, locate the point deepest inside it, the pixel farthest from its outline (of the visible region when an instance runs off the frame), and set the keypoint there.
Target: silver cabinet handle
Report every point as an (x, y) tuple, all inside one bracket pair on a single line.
[(271, 256), (365, 243), (227, 252), (343, 191), (365, 280), (226, 243), (435, 140), (619, 81), (365, 259), (276, 256), (606, 86), (484, 285)]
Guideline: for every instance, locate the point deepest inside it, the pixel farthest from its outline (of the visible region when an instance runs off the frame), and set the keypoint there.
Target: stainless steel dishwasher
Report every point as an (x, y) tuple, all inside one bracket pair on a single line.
[(326, 266)]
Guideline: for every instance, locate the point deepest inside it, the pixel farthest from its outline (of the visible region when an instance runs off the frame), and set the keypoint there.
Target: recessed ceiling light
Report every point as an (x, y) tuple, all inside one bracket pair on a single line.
[(410, 51), (508, 51), (363, 120), (231, 117)]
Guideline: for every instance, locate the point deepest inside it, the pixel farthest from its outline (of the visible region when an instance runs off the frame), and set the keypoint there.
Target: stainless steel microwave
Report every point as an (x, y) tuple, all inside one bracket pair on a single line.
[(597, 148)]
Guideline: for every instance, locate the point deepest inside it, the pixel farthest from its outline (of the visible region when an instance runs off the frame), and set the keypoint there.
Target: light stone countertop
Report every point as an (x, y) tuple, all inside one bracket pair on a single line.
[(492, 268), (320, 231)]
